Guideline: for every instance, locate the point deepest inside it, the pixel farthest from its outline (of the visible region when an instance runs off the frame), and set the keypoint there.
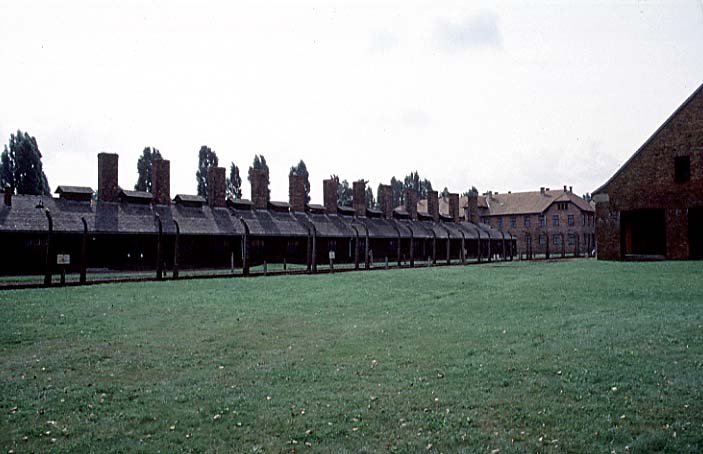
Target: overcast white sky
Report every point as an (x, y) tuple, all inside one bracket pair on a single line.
[(500, 95)]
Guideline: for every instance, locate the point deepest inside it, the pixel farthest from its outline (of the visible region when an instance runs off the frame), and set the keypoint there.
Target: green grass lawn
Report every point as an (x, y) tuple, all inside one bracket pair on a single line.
[(574, 356)]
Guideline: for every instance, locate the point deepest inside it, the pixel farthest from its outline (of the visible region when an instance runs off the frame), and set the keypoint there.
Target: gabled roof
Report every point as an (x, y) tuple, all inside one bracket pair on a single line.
[(187, 198), (315, 208), (242, 204), (114, 218), (698, 91), (345, 210), (73, 190), (136, 195), (326, 226), (279, 206), (532, 202)]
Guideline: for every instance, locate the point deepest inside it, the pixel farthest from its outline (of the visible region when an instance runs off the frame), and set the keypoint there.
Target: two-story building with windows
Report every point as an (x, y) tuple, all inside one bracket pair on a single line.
[(545, 221)]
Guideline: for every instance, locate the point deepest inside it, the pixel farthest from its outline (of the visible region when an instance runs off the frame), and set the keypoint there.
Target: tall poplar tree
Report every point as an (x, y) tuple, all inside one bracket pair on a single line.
[(144, 168), (206, 159), (21, 166)]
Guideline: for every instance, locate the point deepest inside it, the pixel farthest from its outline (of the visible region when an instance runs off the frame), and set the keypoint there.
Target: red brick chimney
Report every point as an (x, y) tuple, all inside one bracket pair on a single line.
[(216, 187), (359, 197), (9, 191), (161, 181), (386, 200), (472, 208), (296, 192), (108, 189), (329, 190), (433, 205), (454, 206), (411, 203), (259, 189)]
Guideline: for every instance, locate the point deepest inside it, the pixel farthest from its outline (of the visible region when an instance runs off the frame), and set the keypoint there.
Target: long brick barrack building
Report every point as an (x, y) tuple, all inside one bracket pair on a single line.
[(118, 229)]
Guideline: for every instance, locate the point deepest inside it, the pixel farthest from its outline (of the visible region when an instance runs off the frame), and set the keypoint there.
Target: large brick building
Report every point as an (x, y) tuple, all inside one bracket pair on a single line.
[(653, 206), (544, 222)]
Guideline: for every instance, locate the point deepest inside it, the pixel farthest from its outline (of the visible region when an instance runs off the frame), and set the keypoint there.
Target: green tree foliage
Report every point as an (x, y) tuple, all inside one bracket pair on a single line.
[(473, 190), (302, 170), (144, 166), (344, 192), (421, 186), (21, 166), (445, 193), (370, 202), (234, 182), (260, 164), (397, 191), (206, 159), (378, 195)]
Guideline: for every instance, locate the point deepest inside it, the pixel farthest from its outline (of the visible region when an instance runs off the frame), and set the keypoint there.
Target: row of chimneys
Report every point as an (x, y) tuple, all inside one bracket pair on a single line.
[(543, 190), (109, 191)]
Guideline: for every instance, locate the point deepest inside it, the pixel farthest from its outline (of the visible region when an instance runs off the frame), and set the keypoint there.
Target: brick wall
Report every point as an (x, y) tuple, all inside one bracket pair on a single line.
[(108, 189), (607, 231), (386, 200), (296, 192), (472, 207), (677, 233), (259, 188), (647, 182), (359, 197), (433, 205), (161, 181), (329, 195), (583, 234), (454, 207), (411, 203), (216, 187)]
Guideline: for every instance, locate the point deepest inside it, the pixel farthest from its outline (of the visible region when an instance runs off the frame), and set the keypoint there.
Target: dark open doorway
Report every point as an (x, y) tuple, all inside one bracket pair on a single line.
[(643, 233), (695, 230)]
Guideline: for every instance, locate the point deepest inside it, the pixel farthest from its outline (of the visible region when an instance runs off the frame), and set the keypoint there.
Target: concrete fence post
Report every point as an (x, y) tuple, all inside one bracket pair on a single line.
[(84, 252), (176, 250)]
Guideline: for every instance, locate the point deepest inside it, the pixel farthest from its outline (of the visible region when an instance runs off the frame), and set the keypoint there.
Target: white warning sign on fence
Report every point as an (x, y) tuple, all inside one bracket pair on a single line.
[(332, 255), (63, 259)]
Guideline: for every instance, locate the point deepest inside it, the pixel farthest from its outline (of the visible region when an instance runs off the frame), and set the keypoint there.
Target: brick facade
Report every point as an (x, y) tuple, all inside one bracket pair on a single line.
[(471, 212), (259, 188), (454, 207), (359, 197), (646, 188), (108, 188), (433, 205), (296, 192), (161, 181), (216, 187), (386, 200), (329, 195), (411, 203), (564, 222)]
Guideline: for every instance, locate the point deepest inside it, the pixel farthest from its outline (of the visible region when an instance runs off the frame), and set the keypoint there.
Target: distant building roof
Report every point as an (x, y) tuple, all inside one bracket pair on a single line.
[(513, 203), (243, 204), (315, 208), (136, 196), (74, 190), (345, 210), (191, 199), (531, 202)]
